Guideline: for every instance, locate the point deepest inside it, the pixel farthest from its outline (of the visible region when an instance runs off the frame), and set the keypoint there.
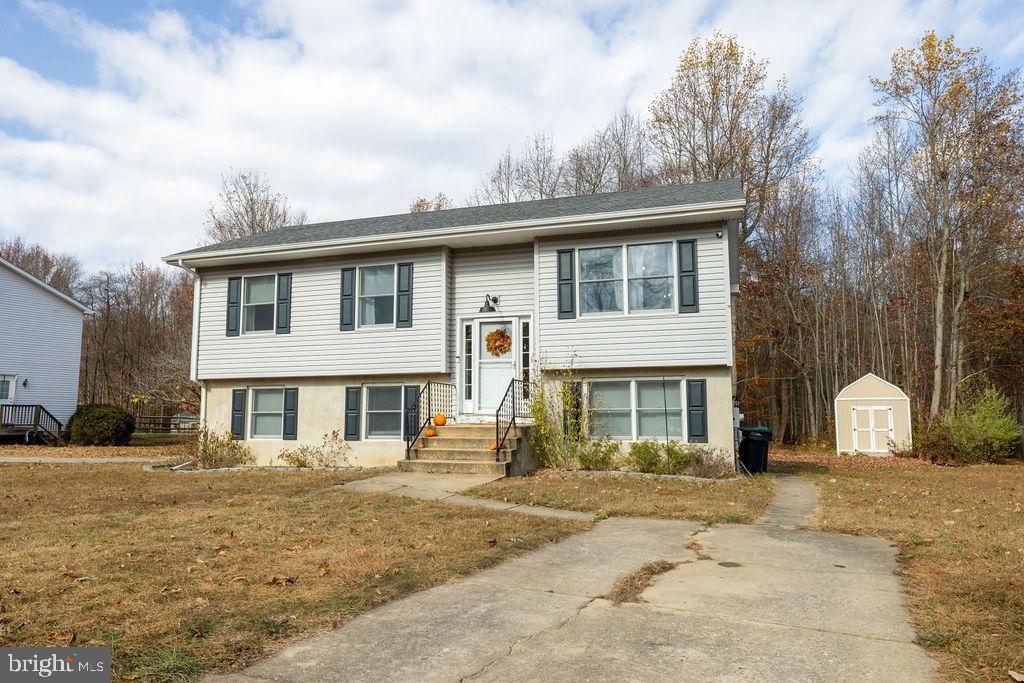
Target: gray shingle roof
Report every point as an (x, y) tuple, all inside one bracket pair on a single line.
[(647, 198)]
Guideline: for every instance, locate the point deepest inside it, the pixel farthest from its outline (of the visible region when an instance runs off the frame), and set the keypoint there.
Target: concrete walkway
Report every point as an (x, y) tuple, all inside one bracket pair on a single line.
[(796, 501), (49, 460), (757, 602), (446, 488)]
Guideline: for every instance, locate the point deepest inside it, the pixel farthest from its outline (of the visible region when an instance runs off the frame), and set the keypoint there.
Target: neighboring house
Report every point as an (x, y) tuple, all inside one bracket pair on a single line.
[(337, 326), (40, 351)]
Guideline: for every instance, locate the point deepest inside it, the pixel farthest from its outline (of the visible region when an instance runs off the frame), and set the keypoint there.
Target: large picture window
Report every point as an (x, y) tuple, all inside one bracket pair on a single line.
[(610, 410), (258, 296), (377, 295), (651, 279), (601, 280), (384, 412), (267, 418)]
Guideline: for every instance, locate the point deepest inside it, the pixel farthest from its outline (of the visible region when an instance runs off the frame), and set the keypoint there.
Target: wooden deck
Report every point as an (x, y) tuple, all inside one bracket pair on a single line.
[(30, 423)]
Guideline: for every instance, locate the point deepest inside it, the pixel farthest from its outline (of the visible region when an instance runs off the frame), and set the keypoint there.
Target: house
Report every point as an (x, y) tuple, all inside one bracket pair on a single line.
[(370, 326), (40, 350), (872, 417)]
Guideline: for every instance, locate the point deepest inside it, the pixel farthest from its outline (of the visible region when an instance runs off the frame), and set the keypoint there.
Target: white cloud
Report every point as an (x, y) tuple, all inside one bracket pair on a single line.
[(356, 108)]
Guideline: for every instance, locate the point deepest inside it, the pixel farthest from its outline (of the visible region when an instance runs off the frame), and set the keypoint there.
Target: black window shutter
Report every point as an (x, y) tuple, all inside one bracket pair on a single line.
[(566, 283), (291, 414), (348, 299), (238, 414), (572, 411), (404, 295), (234, 305), (688, 277), (696, 411), (352, 413), (284, 303), (412, 410)]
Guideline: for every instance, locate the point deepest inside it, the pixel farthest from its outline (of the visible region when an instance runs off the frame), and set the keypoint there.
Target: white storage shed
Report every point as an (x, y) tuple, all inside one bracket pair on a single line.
[(872, 416)]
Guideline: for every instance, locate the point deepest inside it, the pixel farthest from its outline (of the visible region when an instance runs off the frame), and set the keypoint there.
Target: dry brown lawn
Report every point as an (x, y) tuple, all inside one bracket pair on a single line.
[(188, 573), (740, 501), (171, 451), (961, 536)]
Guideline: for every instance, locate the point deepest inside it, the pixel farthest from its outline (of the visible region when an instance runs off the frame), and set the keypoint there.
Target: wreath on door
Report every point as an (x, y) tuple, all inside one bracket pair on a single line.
[(499, 342)]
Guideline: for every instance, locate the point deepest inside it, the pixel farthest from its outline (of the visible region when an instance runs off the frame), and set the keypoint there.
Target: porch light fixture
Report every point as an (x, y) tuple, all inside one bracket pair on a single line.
[(488, 300), (24, 383)]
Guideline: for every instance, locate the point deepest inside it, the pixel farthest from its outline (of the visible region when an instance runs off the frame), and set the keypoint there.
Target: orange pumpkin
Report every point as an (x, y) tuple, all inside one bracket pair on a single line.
[(440, 420), (430, 432), (494, 446)]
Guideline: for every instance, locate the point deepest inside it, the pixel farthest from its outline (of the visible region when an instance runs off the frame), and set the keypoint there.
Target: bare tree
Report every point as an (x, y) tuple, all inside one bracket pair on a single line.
[(246, 205), (60, 271), (499, 185), (539, 172)]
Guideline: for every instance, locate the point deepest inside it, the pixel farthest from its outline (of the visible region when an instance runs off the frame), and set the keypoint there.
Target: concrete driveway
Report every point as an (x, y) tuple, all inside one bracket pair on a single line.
[(759, 602)]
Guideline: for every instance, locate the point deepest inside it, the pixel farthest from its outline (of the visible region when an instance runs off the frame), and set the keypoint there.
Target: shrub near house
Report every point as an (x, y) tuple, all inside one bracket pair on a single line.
[(100, 425)]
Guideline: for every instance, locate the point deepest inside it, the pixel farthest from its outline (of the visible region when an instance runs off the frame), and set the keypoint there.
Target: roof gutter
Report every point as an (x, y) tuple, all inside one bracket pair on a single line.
[(524, 230)]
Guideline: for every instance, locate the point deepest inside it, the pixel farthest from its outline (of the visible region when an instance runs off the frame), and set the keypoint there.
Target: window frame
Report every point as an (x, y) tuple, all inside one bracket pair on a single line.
[(623, 247), (673, 275), (243, 303), (634, 401), (580, 281), (12, 387), (359, 297), (366, 411), (629, 410), (251, 412)]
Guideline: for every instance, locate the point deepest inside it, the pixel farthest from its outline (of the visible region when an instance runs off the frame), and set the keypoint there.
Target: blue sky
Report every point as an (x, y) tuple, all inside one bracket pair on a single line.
[(118, 118)]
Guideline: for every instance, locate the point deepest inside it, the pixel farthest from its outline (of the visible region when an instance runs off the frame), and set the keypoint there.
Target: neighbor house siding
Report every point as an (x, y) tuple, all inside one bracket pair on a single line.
[(643, 339), (506, 273), (315, 346), (41, 341)]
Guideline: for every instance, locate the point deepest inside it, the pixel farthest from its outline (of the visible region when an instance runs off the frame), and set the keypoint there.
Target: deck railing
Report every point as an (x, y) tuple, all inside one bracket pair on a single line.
[(31, 418)]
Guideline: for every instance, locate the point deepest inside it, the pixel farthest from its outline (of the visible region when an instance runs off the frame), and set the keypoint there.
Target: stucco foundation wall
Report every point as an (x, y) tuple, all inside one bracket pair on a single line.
[(321, 410)]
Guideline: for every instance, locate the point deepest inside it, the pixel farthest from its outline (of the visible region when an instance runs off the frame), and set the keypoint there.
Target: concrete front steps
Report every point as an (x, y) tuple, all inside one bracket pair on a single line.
[(462, 449)]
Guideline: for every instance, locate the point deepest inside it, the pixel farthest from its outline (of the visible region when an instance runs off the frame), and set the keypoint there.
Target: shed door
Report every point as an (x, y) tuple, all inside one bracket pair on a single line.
[(872, 429)]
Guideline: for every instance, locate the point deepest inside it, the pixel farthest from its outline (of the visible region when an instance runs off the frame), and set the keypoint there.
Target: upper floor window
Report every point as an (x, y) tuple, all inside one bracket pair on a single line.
[(645, 271), (651, 278), (377, 295), (258, 296), (601, 280)]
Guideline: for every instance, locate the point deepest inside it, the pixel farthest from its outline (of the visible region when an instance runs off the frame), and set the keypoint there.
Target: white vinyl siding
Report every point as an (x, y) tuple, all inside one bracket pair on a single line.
[(635, 339), (315, 346), (40, 341)]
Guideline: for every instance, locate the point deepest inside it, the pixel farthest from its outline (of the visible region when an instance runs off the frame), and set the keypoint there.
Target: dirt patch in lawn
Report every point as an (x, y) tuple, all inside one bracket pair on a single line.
[(742, 501), (961, 537), (185, 574), (797, 460), (172, 451)]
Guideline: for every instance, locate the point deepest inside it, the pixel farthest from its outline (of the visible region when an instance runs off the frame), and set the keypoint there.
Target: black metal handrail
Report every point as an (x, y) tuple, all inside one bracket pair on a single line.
[(434, 398), (31, 416), (513, 405)]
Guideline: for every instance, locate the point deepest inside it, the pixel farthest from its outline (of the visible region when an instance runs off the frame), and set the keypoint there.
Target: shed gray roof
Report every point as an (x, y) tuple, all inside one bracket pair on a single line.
[(540, 209)]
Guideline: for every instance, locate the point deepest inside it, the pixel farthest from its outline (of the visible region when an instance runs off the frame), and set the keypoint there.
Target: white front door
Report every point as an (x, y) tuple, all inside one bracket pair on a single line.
[(872, 429), (495, 360)]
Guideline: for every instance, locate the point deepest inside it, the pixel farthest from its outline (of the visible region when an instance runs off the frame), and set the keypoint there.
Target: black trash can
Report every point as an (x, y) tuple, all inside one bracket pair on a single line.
[(754, 448)]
